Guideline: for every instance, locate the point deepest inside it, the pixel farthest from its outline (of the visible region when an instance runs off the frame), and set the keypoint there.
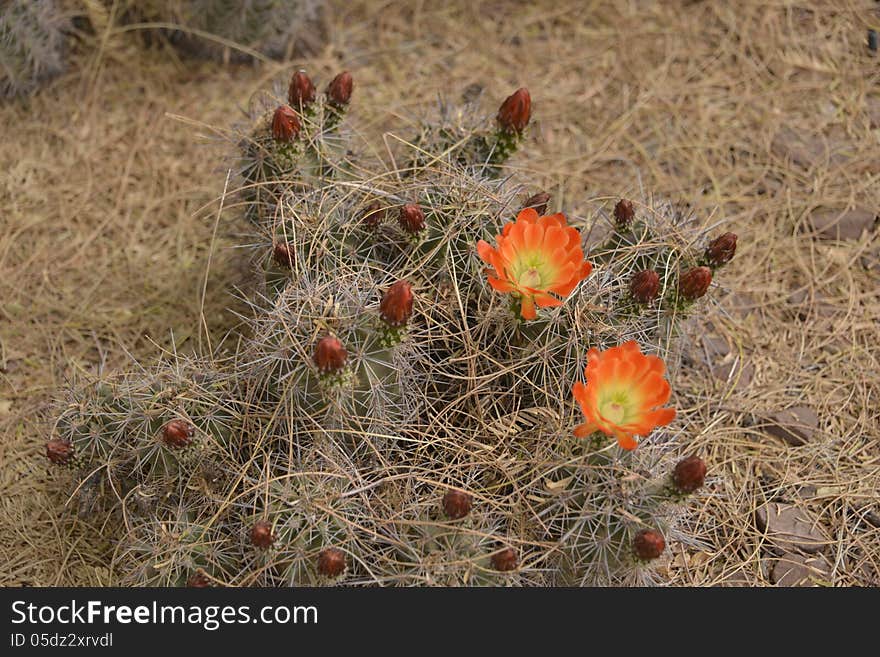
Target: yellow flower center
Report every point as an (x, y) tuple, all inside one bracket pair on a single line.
[(616, 406), (532, 269), (614, 412), (531, 278)]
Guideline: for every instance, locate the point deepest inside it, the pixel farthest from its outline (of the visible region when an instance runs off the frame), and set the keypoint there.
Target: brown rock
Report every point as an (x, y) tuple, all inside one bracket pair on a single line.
[(789, 527), (796, 425), (800, 570), (839, 224), (735, 371), (715, 346), (724, 364), (806, 150), (873, 107), (805, 304), (741, 304), (871, 260)]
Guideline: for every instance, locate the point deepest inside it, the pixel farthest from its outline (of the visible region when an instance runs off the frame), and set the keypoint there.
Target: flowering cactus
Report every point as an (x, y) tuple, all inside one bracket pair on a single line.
[(384, 419), (536, 258), (623, 392)]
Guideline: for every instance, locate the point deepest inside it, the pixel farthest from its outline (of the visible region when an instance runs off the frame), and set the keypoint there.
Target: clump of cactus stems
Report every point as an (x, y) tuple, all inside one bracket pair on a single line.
[(32, 44), (672, 274), (409, 404), (227, 29), (292, 138), (463, 135)]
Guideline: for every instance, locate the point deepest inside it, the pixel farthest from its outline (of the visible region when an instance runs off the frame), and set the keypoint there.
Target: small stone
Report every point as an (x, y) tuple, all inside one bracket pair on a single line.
[(725, 364), (806, 150), (806, 304), (741, 304), (873, 109), (838, 224), (799, 570), (735, 371), (870, 260), (715, 346), (789, 527), (796, 425)]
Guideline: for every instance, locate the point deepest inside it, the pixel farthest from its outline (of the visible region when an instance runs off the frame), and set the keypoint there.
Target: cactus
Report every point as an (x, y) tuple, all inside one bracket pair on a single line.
[(142, 441), (32, 44), (397, 412), (229, 29)]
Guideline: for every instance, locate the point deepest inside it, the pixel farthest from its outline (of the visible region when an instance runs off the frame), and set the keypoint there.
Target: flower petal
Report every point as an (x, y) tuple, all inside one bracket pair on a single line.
[(527, 308), (501, 285)]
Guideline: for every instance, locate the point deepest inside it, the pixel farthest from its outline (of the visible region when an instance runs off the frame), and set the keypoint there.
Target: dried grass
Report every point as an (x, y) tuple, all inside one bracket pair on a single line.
[(108, 209)]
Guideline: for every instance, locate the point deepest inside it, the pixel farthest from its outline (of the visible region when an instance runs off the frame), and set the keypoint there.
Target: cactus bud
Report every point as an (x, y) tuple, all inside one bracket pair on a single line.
[(283, 255), (59, 451), (539, 202), (397, 304), (624, 213), (515, 111), (689, 474), (261, 534), (645, 286), (331, 562), (505, 560), (339, 89), (178, 433), (285, 124), (330, 355), (694, 283), (373, 215), (412, 219), (301, 92), (456, 505), (721, 250), (198, 580), (648, 544)]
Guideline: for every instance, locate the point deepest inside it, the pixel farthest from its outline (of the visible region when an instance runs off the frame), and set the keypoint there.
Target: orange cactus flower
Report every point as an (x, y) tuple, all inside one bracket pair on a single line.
[(536, 257), (623, 393)]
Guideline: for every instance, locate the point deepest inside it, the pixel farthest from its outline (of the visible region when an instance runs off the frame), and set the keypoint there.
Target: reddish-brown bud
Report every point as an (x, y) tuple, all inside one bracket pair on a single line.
[(645, 286), (374, 214), (539, 202), (340, 88), (178, 433), (505, 560), (397, 304), (285, 124), (198, 580), (456, 504), (261, 534), (515, 111), (330, 355), (624, 213), (689, 474), (412, 219), (301, 91), (694, 283), (648, 544), (59, 451), (283, 255), (331, 562), (721, 250)]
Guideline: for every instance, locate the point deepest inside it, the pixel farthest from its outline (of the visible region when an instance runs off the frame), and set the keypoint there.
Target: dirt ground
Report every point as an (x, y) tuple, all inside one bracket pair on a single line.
[(761, 115)]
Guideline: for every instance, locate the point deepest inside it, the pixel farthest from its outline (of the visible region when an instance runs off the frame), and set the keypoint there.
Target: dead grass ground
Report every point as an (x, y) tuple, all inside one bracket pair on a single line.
[(107, 206)]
